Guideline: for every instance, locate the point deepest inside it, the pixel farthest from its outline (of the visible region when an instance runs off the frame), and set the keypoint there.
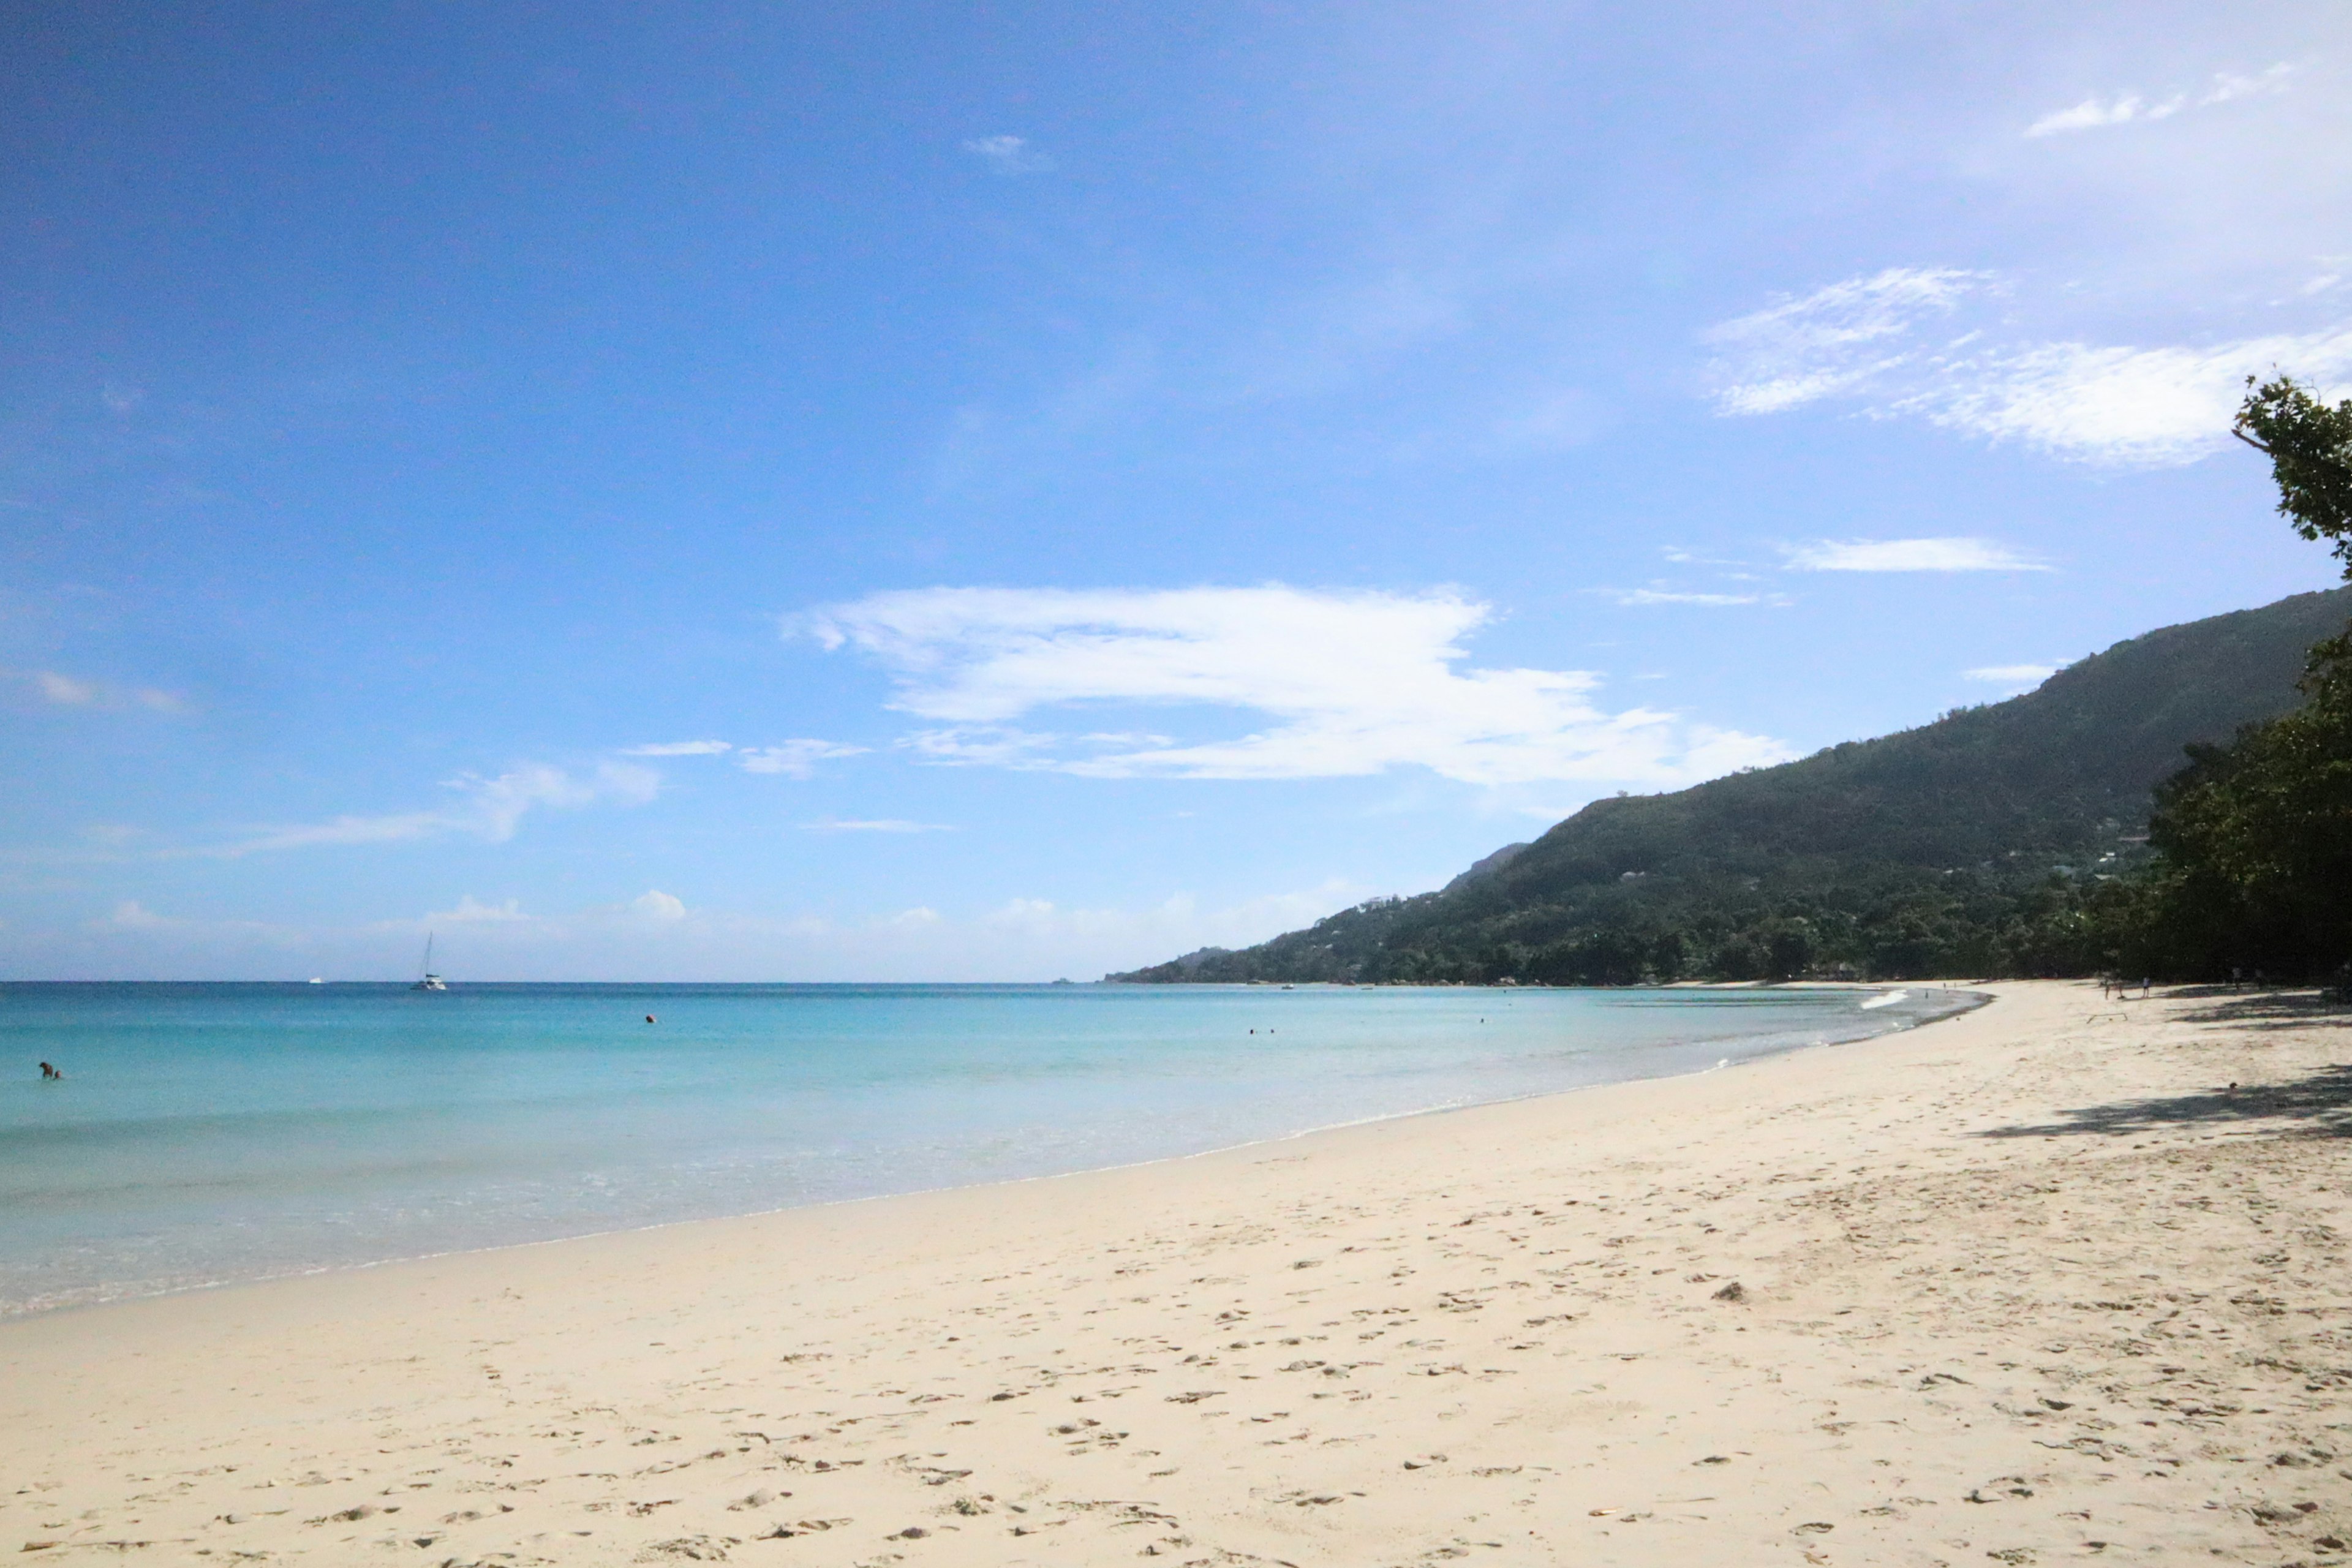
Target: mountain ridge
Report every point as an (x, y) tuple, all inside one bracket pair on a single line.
[(1965, 846)]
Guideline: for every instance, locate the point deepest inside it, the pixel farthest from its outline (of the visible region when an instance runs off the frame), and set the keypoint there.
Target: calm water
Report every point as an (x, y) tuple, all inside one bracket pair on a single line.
[(212, 1133)]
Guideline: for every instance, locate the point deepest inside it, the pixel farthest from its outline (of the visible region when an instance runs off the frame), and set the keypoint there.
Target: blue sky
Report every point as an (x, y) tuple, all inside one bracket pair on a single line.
[(905, 491)]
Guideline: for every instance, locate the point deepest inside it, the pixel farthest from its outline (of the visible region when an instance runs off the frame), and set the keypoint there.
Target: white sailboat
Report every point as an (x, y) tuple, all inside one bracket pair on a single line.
[(431, 982)]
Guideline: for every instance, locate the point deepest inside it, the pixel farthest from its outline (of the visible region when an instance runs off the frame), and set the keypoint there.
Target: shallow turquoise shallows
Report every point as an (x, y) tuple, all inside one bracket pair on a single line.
[(204, 1133)]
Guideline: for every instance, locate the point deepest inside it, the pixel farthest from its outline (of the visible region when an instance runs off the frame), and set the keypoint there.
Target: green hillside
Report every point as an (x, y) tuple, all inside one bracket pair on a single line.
[(1963, 847)]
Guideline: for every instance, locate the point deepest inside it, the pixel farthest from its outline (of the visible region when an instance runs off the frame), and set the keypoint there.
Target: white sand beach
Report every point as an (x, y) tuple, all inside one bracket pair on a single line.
[(2028, 1286)]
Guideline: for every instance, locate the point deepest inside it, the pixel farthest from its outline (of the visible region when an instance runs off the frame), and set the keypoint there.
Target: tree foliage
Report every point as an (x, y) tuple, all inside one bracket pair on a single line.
[(2310, 448), (2255, 839)]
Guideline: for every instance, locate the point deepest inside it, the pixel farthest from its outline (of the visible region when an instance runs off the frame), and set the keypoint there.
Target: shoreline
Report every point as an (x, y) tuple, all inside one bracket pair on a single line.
[(18, 1315), (1508, 1331)]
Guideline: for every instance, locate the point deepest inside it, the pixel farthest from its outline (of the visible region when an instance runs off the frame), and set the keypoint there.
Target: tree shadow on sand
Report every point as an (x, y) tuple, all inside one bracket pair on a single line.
[(2263, 1010), (2318, 1105)]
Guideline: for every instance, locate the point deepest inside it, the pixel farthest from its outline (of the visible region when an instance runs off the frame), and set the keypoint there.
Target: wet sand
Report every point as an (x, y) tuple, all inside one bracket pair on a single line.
[(2031, 1285)]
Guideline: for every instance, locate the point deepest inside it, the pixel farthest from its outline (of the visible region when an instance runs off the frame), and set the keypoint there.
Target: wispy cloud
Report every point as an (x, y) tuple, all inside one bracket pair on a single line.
[(680, 749), (1008, 154), (657, 934), (63, 690), (1865, 340), (132, 918), (508, 921), (2121, 405), (470, 910), (794, 759), (988, 745), (486, 808), (876, 825), (1833, 339), (1684, 556), (1908, 556), (2096, 113), (1636, 596), (1352, 684), (2017, 675)]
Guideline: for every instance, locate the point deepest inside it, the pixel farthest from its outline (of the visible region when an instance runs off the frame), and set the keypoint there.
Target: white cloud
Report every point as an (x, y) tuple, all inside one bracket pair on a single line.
[(1634, 596), (470, 910), (876, 825), (1834, 339), (2139, 406), (680, 749), (63, 689), (133, 919), (1354, 684), (1860, 340), (989, 745), (1127, 738), (1008, 154), (2227, 86), (2091, 113), (487, 809), (75, 691), (1908, 556), (2013, 674), (657, 937), (654, 904), (2095, 113), (794, 759)]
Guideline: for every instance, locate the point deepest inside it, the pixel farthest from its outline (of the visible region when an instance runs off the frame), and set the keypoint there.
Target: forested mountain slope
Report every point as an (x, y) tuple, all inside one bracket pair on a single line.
[(1964, 846)]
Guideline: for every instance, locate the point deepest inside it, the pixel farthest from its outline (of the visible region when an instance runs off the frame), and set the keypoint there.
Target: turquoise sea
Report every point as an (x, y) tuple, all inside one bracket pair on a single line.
[(216, 1133)]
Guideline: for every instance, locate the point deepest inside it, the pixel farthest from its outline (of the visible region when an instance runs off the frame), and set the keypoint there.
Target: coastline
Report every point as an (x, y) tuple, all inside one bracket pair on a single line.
[(302, 1243), (1262, 1352)]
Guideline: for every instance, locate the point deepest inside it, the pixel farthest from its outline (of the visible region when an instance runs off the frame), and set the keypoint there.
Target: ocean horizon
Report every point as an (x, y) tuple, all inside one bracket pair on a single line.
[(215, 1132)]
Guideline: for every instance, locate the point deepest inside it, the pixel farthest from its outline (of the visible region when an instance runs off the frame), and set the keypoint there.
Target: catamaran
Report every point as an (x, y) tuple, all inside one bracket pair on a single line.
[(431, 982)]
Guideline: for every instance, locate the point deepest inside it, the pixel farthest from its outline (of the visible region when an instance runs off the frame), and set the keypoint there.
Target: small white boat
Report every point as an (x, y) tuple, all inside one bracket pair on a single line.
[(430, 982)]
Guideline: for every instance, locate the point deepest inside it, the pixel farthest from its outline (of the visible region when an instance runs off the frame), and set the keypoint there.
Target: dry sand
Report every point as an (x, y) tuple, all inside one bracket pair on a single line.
[(2028, 1286)]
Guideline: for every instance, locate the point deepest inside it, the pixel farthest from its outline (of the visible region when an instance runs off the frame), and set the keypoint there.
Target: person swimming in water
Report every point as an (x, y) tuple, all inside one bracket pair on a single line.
[(50, 1074)]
